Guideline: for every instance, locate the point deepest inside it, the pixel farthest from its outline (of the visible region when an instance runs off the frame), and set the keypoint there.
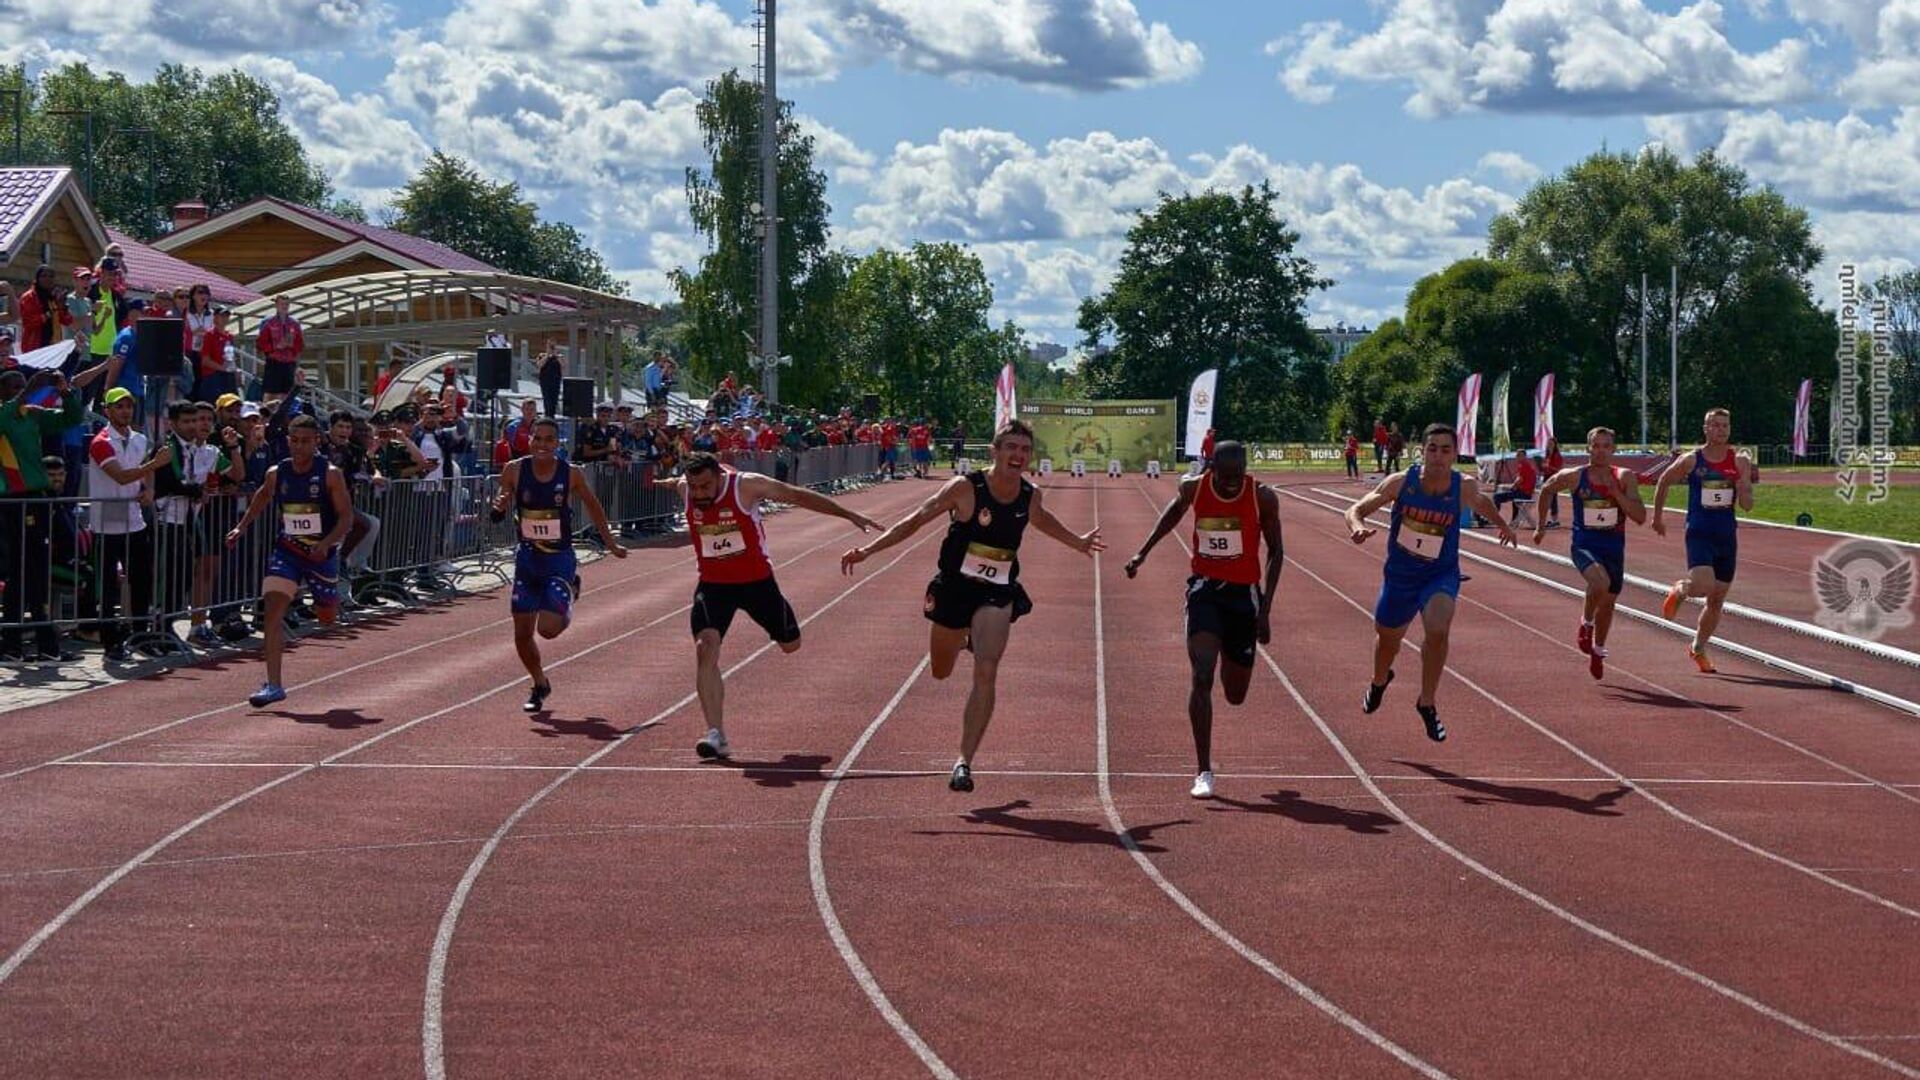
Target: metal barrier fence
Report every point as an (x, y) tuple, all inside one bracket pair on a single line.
[(159, 577)]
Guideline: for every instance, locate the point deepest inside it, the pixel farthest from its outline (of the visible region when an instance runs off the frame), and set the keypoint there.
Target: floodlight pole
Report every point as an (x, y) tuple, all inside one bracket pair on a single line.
[(769, 211)]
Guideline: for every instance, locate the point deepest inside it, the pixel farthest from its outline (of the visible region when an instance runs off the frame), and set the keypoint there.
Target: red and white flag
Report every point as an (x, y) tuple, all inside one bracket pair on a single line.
[(1802, 413), (1004, 406), (1543, 413), (1469, 414)]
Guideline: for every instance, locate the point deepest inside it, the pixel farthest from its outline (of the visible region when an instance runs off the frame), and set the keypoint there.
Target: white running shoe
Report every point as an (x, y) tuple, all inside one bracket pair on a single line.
[(713, 746), (1203, 785)]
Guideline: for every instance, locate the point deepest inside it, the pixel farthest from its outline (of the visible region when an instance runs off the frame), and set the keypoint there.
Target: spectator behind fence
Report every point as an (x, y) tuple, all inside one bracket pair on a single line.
[(280, 343), (550, 369), (119, 481), (25, 552), (216, 360)]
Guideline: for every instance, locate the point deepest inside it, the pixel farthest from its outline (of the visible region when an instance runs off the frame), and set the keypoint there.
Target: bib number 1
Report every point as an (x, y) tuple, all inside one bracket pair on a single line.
[(1418, 544)]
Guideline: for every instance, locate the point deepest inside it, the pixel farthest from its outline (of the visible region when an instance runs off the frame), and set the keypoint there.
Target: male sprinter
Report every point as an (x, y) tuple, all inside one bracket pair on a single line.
[(545, 578), (1422, 572), (976, 595), (1231, 515), (1718, 479), (1604, 497), (736, 574), (314, 516)]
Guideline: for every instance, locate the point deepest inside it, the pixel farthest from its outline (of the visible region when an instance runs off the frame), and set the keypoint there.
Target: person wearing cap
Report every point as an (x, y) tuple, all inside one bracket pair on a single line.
[(80, 311), (120, 479), (24, 522)]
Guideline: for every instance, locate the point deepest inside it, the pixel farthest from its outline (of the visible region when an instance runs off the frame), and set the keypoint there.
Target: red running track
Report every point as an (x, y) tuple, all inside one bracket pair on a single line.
[(1656, 874)]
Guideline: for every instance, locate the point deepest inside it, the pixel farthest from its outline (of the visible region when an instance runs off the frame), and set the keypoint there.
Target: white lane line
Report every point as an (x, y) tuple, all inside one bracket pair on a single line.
[(1194, 911), (40, 937), (1601, 932), (435, 643), (817, 873), (1669, 691), (432, 1022), (1644, 792)]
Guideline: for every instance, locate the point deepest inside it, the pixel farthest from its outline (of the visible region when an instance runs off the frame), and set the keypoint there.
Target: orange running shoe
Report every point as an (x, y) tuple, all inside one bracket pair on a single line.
[(1700, 661), (1671, 605)]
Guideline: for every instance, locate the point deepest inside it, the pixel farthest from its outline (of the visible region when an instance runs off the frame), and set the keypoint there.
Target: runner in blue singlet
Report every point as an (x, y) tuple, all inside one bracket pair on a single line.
[(1422, 574), (1719, 479), (1605, 497)]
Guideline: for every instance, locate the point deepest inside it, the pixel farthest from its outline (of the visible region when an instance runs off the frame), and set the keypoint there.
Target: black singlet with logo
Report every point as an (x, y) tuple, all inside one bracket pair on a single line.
[(994, 530)]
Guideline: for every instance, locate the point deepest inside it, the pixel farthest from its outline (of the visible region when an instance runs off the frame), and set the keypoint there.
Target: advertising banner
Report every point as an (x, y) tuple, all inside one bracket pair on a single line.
[(1134, 432)]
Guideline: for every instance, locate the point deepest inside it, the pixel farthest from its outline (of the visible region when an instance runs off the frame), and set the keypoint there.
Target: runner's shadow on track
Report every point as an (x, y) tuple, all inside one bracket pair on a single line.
[(337, 719), (1058, 830), (596, 728), (791, 770), (1487, 793), (1290, 804), (1631, 696), (1777, 683)]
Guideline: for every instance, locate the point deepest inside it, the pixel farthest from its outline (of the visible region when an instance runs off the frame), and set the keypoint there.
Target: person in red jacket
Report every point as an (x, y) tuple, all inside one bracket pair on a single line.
[(1554, 463), (41, 313), (280, 344)]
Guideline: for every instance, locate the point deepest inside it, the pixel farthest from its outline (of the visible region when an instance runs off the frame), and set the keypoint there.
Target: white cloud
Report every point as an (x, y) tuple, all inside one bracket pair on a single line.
[(1847, 164), (1508, 165), (364, 148), (1575, 56), (138, 33)]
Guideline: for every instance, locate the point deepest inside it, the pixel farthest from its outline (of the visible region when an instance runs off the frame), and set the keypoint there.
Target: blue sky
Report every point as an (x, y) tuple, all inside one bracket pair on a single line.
[(1032, 130)]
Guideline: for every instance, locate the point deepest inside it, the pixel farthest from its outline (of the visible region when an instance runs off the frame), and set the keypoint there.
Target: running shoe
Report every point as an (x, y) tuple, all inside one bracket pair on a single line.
[(962, 777), (1375, 693), (1671, 605), (1586, 638), (537, 698), (1598, 665), (1700, 661), (714, 746), (1430, 716), (267, 695), (1203, 785)]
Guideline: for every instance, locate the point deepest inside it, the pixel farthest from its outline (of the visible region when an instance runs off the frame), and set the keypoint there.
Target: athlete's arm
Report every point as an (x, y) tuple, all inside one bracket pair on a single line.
[(1668, 477), (578, 479), (258, 503), (1276, 557), (1743, 480), (1044, 520), (1482, 504), (1169, 517), (1558, 482), (1628, 485), (944, 501), (1362, 509), (509, 480), (342, 510), (755, 486)]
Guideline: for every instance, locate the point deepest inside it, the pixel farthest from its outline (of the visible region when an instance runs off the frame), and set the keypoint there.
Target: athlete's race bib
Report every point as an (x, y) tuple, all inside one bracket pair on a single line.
[(300, 520), (989, 564), (1218, 538), (1716, 498), (545, 530), (1602, 515), (1421, 545), (721, 541)]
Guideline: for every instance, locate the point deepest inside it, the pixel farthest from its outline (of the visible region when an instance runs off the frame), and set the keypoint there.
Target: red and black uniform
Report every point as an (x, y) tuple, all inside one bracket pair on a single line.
[(980, 559), (736, 574), (1223, 592)]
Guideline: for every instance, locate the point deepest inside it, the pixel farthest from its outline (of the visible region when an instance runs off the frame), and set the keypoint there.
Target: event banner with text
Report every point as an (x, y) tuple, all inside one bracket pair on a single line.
[(1135, 432)]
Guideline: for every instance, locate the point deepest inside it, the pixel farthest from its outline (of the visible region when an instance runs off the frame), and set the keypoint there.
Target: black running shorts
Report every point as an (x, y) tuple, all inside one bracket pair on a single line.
[(1228, 612), (952, 600), (714, 606)]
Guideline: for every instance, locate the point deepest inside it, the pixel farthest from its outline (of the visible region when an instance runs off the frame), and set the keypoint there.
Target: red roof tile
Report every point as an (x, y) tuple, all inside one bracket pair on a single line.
[(150, 270), (24, 194)]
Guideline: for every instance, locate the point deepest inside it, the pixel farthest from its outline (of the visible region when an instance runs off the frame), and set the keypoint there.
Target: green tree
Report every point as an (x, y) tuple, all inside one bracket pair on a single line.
[(720, 295), (1392, 375), (184, 135), (1211, 280), (918, 334), (1749, 329), (450, 203)]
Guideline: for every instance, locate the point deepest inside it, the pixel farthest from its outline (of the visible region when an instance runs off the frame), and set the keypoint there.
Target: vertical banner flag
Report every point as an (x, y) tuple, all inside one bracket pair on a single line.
[(1802, 414), (1003, 399), (1200, 409), (1543, 413), (1469, 415), (1502, 440)]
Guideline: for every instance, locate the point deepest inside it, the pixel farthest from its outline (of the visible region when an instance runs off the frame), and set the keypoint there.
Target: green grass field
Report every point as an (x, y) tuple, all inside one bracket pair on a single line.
[(1897, 519)]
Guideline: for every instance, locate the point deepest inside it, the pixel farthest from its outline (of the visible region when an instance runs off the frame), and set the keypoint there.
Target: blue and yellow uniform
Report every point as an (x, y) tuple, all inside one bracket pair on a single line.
[(544, 566), (1599, 530), (1711, 540), (1423, 551), (303, 509)]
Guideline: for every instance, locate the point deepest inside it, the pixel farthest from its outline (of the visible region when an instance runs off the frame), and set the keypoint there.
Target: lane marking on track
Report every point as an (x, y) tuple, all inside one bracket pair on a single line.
[(1781, 740), (364, 665), (823, 901), (1621, 778), (20, 955), (1601, 932), (432, 1021), (1877, 696), (1194, 911), (1783, 622)]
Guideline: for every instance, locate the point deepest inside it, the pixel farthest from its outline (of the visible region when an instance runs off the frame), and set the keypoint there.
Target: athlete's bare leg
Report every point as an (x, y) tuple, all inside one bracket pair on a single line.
[(1436, 620), (944, 645), (707, 680), (991, 627), (1710, 618), (1386, 646), (1203, 654), (1599, 603), (529, 650), (279, 595)]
